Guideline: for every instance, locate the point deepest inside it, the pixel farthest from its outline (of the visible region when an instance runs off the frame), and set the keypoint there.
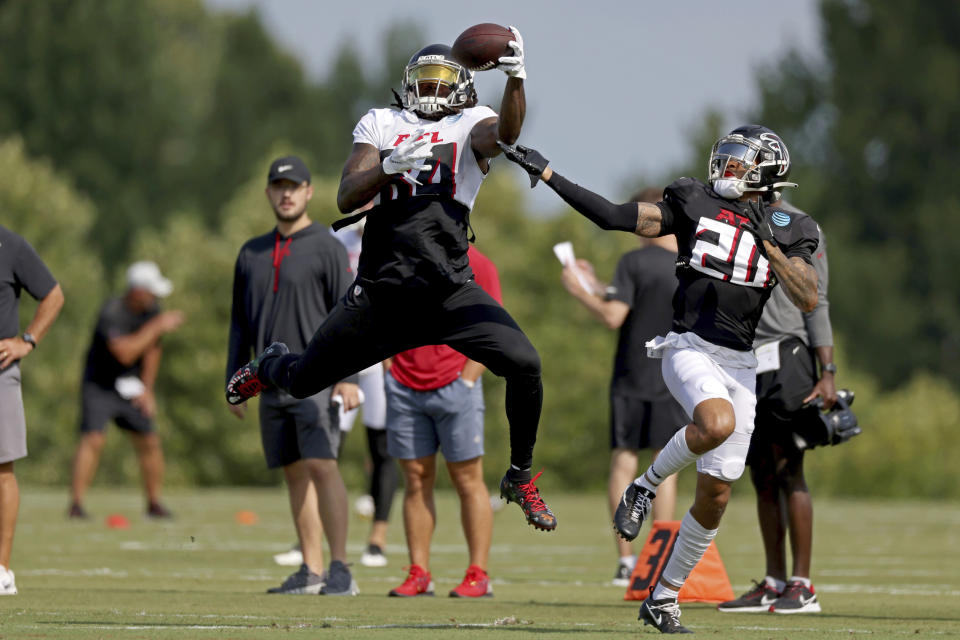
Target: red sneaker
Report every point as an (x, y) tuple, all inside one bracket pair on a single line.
[(418, 583), (528, 497), (476, 584)]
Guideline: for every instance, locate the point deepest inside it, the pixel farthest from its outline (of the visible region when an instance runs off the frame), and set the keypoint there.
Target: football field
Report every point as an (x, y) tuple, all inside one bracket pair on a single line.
[(882, 569)]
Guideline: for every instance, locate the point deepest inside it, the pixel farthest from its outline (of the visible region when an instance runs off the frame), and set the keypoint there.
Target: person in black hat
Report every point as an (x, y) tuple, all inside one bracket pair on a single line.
[(285, 283)]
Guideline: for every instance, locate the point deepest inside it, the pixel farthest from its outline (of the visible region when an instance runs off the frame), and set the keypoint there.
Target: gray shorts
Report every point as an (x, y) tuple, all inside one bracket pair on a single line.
[(13, 425), (100, 405), (420, 422), (292, 429)]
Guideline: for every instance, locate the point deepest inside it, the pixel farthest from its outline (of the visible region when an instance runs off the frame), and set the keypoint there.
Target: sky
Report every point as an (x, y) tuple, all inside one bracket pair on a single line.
[(613, 88)]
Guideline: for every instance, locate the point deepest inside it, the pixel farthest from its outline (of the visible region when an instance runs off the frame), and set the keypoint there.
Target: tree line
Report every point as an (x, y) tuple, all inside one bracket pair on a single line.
[(116, 118)]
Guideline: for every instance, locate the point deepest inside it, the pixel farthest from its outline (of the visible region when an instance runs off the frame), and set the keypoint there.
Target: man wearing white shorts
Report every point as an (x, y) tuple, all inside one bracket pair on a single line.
[(383, 471), (735, 244)]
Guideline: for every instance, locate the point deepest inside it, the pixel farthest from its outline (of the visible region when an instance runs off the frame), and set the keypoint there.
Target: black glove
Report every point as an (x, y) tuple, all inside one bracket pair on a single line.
[(759, 224), (530, 159)]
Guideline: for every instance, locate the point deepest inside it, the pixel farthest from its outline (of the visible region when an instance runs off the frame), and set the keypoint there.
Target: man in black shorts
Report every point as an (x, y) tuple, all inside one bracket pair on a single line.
[(285, 283), (118, 380), (21, 269), (643, 414), (787, 345), (735, 244), (423, 163)]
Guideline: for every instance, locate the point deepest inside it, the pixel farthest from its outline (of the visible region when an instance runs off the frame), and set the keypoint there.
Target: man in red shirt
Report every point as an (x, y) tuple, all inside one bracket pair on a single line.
[(435, 401)]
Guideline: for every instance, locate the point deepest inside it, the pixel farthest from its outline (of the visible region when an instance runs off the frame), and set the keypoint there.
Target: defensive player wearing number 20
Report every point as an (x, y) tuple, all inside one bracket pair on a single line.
[(735, 244), (422, 163)]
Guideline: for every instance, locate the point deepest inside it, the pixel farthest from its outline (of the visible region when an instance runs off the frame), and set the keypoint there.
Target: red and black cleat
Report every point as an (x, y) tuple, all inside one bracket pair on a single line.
[(245, 383), (528, 497)]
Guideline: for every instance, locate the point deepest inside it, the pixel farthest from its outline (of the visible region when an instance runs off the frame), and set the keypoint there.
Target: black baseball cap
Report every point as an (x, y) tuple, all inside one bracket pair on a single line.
[(288, 168)]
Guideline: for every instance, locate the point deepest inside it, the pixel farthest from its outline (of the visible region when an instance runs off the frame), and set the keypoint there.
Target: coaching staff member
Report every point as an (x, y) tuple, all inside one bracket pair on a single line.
[(20, 269), (284, 285)]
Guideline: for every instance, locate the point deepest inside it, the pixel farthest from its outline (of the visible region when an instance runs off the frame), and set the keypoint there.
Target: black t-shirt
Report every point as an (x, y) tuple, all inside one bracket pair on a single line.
[(723, 278), (115, 320), (20, 269), (645, 280), (416, 242)]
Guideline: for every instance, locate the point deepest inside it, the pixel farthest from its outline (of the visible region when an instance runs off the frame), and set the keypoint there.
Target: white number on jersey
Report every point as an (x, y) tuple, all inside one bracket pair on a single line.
[(729, 253)]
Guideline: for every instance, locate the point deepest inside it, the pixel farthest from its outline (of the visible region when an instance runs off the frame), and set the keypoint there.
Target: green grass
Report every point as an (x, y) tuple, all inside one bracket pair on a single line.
[(882, 570)]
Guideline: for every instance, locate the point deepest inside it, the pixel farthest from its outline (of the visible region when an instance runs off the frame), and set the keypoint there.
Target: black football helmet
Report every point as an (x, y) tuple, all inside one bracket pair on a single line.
[(434, 85), (832, 427), (761, 152)]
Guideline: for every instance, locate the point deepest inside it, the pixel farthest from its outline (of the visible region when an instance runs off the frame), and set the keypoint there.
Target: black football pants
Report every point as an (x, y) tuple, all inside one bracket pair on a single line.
[(372, 323)]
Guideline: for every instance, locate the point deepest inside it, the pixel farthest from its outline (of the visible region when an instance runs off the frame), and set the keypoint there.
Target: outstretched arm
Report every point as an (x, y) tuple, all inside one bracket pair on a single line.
[(641, 218), (513, 106)]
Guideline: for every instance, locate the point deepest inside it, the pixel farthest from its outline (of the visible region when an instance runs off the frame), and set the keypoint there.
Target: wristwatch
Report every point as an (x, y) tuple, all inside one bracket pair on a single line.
[(829, 368), (28, 337)]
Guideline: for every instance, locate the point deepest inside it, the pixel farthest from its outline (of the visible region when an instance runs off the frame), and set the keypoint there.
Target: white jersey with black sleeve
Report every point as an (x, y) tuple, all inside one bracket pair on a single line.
[(418, 236)]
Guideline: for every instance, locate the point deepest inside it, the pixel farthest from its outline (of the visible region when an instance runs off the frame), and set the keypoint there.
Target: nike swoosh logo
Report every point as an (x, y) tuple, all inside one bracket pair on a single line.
[(765, 600), (806, 601), (656, 618)]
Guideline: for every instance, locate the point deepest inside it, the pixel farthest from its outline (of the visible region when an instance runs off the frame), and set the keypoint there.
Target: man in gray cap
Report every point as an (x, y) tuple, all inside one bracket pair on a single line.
[(118, 381), (20, 269)]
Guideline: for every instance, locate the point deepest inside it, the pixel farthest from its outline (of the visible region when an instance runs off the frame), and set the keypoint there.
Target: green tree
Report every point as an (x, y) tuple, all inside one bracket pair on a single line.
[(874, 135)]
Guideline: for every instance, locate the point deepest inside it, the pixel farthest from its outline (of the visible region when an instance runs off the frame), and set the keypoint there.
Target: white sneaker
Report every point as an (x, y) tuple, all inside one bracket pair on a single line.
[(8, 587), (291, 558), (373, 557)]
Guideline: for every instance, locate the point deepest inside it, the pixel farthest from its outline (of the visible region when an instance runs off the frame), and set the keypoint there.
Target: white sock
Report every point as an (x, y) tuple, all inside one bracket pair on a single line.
[(629, 561), (673, 457), (779, 585), (805, 581), (661, 592), (691, 544)]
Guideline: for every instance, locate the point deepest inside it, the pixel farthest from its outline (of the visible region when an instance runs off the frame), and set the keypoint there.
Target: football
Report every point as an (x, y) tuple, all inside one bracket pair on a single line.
[(479, 47)]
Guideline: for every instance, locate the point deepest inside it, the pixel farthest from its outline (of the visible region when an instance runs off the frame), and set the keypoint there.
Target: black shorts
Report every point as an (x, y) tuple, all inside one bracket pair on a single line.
[(292, 430), (780, 393), (636, 423), (100, 405)]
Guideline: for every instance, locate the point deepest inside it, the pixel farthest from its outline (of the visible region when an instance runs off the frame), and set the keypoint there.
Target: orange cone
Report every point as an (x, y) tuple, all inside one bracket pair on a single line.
[(707, 583)]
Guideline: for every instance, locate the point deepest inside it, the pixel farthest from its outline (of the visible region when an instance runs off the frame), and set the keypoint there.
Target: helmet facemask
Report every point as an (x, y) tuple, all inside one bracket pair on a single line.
[(435, 86), (740, 164)]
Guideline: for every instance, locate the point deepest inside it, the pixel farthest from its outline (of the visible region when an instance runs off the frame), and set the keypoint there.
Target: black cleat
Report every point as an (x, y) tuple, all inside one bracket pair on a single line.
[(634, 507), (245, 384), (664, 615), (756, 600), (528, 497)]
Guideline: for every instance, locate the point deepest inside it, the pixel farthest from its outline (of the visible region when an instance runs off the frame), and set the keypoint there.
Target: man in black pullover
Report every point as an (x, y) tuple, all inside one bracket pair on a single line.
[(285, 283)]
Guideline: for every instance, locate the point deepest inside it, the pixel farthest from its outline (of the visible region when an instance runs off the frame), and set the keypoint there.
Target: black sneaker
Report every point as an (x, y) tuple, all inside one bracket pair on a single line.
[(244, 384), (796, 598), (528, 497), (77, 512), (634, 507), (339, 581), (157, 511), (662, 614), (302, 582), (622, 577), (756, 600)]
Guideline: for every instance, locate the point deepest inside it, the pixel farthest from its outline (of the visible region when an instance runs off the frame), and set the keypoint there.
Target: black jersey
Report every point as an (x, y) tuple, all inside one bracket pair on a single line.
[(723, 278)]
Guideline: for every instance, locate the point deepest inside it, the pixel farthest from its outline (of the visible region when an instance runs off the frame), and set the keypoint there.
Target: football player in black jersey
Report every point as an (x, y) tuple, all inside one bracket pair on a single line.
[(423, 163), (735, 244)]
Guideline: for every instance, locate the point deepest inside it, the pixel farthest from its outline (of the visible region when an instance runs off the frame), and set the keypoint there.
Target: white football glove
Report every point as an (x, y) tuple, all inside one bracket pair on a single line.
[(409, 157), (513, 65)]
